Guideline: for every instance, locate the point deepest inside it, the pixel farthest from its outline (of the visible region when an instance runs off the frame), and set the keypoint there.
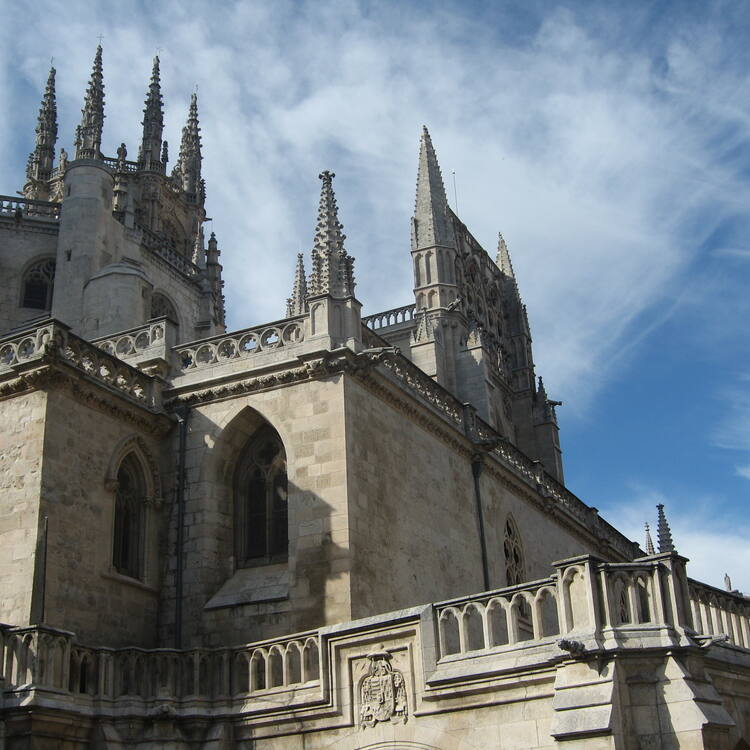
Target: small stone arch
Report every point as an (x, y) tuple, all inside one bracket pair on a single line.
[(515, 564), (163, 306), (136, 445), (38, 283)]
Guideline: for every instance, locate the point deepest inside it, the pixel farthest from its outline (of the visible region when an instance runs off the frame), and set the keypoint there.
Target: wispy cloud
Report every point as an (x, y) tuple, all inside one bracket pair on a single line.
[(607, 164), (713, 539)]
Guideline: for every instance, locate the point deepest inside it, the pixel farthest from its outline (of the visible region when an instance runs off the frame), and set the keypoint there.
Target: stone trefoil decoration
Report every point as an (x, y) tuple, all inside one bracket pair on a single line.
[(382, 692)]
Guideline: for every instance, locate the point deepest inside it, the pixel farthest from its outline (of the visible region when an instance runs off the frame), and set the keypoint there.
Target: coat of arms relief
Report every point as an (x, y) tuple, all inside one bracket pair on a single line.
[(382, 691)]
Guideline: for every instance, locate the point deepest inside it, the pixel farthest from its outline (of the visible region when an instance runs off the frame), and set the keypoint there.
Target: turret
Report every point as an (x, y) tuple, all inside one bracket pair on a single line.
[(150, 154), (213, 274), (39, 167), (89, 133)]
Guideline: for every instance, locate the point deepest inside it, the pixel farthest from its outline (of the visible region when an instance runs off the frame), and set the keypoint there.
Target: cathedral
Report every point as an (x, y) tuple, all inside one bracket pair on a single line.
[(334, 530)]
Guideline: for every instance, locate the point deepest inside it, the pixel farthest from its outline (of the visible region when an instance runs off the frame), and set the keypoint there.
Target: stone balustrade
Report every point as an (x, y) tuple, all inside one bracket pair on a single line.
[(149, 341), (239, 344), (158, 245), (720, 613), (26, 207), (388, 318), (585, 607), (46, 658), (54, 339)]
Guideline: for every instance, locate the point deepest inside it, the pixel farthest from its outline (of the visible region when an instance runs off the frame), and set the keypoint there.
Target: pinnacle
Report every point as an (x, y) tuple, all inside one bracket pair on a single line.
[(187, 171), (431, 207), (297, 303), (153, 120), (39, 165), (649, 542), (92, 120), (663, 532), (503, 257), (332, 271)]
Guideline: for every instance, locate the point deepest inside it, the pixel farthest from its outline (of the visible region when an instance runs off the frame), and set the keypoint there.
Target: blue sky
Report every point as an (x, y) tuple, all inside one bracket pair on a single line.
[(608, 142)]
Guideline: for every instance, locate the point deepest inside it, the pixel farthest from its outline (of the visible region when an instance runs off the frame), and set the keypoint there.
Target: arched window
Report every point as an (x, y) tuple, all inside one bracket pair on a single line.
[(514, 565), (261, 514), (38, 282), (127, 552), (162, 307)]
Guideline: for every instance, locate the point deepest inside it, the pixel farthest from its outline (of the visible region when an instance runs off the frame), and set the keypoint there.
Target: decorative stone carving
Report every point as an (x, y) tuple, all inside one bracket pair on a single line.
[(382, 692)]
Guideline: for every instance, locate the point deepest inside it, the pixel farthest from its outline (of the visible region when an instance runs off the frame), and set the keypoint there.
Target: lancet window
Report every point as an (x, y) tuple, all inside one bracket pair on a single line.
[(38, 283), (514, 562), (130, 501), (261, 512)]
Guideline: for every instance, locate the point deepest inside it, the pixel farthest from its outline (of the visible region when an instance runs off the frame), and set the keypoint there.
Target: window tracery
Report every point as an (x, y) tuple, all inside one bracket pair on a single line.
[(261, 510), (38, 284), (130, 500), (162, 307), (514, 562)]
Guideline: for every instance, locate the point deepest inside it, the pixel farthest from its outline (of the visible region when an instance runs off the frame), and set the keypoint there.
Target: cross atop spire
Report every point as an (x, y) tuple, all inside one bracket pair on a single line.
[(431, 225), (333, 267), (187, 171), (153, 122), (664, 535), (39, 167), (89, 132), (297, 303)]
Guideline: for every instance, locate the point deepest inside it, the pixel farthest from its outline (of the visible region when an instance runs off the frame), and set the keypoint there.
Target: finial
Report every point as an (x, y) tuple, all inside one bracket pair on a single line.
[(649, 542), (663, 533), (297, 303)]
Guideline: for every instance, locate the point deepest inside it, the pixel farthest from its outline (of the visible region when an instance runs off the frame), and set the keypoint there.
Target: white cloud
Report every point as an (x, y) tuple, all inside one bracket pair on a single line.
[(714, 540), (591, 161), (743, 471)]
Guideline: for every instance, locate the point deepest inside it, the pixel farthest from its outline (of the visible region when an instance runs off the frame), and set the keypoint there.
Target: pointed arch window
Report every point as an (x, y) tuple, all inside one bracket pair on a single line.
[(130, 500), (515, 572), (37, 286), (261, 512)]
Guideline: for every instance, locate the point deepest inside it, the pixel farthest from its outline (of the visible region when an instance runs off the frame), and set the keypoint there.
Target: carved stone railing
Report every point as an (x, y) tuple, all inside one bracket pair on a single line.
[(584, 599), (41, 657), (717, 613), (23, 207), (159, 246), (244, 343), (116, 165), (53, 339), (150, 341), (394, 317)]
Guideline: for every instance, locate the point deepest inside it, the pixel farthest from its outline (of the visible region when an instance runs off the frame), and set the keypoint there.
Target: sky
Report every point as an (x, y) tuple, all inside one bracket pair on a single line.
[(609, 142)]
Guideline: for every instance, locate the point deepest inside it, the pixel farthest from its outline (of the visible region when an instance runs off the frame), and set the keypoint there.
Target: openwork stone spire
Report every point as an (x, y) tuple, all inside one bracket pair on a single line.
[(503, 257), (333, 267), (153, 123), (89, 132), (187, 171), (431, 225), (649, 542), (297, 303), (663, 533), (39, 167)]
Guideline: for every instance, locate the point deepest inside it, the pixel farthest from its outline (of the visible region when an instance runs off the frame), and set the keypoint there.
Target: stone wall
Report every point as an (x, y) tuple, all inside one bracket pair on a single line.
[(21, 443), (223, 604), (82, 450), (21, 244)]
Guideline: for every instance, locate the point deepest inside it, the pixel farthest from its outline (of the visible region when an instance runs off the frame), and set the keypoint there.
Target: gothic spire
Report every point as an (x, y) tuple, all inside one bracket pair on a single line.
[(503, 257), (663, 533), (89, 132), (39, 167), (431, 225), (297, 303), (187, 171), (333, 267), (649, 542), (153, 122)]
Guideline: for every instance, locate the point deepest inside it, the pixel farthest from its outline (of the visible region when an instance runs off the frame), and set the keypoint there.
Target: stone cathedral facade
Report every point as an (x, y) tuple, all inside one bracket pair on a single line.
[(326, 531)]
